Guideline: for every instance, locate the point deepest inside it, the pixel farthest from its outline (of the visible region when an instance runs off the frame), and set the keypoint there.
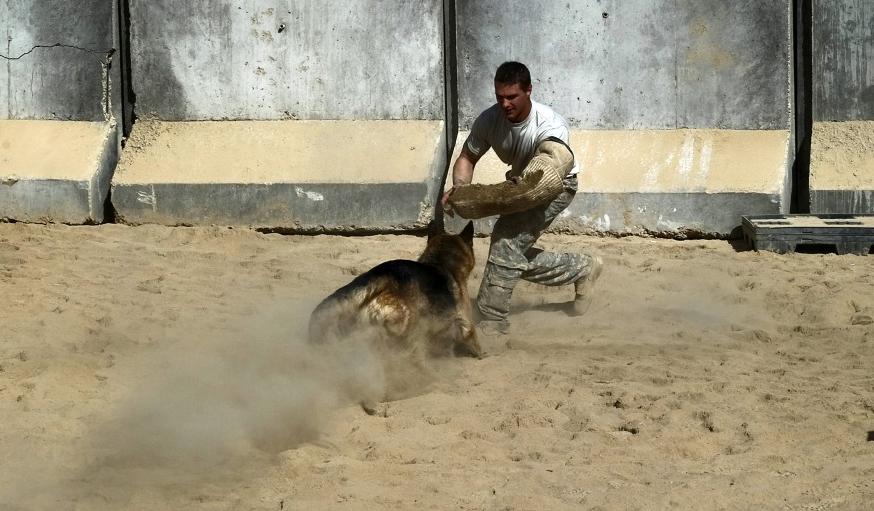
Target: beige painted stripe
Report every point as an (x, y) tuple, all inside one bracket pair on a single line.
[(51, 149), (658, 161), (280, 152), (842, 156)]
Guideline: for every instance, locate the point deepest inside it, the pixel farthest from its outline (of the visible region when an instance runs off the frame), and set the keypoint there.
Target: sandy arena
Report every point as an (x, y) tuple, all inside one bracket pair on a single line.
[(156, 368)]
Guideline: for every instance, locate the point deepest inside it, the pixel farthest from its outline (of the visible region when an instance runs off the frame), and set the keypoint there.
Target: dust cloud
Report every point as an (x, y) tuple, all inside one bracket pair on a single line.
[(210, 410)]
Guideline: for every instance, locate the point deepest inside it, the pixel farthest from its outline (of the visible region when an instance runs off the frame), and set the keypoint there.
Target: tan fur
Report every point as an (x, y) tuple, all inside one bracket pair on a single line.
[(396, 302)]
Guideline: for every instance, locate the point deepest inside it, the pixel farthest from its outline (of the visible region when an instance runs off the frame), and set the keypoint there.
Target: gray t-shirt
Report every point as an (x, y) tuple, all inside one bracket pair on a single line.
[(514, 143)]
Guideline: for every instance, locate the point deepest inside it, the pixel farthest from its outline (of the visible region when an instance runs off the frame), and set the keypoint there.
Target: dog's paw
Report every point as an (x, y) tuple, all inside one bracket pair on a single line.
[(461, 349), (374, 409), (369, 407)]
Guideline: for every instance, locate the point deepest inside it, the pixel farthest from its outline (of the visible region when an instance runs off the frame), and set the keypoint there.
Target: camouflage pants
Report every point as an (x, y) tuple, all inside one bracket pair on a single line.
[(512, 256)]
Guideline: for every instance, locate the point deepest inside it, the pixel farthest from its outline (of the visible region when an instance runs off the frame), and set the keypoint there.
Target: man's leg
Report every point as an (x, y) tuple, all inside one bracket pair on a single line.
[(559, 269), (512, 238), (556, 269)]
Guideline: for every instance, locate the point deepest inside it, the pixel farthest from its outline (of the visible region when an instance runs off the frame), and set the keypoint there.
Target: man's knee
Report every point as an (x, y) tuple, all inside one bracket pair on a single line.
[(493, 300), (496, 290), (508, 253)]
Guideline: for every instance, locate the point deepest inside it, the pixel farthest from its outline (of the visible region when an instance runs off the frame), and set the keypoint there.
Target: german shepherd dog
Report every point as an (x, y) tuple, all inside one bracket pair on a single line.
[(408, 305)]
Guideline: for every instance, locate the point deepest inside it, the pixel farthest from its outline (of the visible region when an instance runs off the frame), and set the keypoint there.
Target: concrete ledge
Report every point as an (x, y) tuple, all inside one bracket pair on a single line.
[(316, 207), (301, 175), (667, 182), (842, 167), (855, 202), (55, 171)]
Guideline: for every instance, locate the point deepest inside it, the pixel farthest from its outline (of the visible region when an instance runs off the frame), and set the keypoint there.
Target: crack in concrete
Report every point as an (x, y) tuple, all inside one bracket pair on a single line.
[(107, 87), (107, 53), (105, 64), (8, 70)]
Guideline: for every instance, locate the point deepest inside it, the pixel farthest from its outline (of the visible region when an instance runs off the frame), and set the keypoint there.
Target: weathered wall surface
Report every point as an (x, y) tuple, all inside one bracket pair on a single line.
[(842, 143), (653, 70), (632, 64), (379, 175), (662, 67), (55, 171), (296, 71), (54, 58), (843, 60), (273, 59), (691, 183), (60, 84)]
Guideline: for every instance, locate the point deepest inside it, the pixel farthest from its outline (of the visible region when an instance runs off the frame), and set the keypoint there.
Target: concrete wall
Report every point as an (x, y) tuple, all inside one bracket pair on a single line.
[(290, 68), (843, 60), (678, 85), (60, 97), (634, 64), (842, 143), (639, 69), (55, 54), (275, 59)]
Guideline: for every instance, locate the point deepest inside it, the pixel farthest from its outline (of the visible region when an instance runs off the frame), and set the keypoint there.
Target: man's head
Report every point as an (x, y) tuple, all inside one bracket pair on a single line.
[(513, 90)]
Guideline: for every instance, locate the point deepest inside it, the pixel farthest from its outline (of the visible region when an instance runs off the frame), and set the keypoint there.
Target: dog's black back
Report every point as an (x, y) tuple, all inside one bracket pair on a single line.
[(407, 301), (434, 283)]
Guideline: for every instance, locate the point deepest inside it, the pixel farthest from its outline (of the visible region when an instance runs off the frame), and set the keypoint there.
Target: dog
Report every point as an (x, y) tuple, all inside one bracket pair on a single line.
[(408, 305)]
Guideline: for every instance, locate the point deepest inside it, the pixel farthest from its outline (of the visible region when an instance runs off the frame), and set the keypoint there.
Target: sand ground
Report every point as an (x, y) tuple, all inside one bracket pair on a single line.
[(163, 368)]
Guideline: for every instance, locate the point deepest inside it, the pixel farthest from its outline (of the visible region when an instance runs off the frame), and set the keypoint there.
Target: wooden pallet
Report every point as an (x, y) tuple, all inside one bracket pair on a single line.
[(849, 234)]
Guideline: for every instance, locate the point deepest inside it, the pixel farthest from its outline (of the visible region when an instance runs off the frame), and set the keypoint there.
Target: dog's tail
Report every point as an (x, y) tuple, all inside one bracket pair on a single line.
[(324, 321), (344, 312)]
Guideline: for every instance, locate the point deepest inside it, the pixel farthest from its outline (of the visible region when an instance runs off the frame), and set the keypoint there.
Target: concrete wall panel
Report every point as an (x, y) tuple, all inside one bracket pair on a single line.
[(273, 59), (843, 60), (275, 174), (55, 171), (634, 64), (54, 54), (842, 137), (674, 182), (59, 92)]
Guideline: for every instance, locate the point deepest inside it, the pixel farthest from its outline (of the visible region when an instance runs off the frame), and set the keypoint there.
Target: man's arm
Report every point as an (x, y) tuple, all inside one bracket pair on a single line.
[(462, 172)]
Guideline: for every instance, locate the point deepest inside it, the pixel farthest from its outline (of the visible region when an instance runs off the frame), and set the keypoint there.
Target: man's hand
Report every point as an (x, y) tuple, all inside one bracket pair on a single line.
[(462, 174), (444, 201)]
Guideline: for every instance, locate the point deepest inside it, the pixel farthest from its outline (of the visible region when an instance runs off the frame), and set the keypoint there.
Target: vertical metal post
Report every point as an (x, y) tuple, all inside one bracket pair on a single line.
[(128, 98), (803, 78)]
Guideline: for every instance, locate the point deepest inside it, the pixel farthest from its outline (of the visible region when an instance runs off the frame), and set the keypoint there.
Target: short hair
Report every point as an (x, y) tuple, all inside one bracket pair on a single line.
[(513, 72)]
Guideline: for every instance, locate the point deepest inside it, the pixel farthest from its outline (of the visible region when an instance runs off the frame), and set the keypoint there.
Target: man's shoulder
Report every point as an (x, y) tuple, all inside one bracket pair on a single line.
[(489, 115), (487, 122), (546, 115)]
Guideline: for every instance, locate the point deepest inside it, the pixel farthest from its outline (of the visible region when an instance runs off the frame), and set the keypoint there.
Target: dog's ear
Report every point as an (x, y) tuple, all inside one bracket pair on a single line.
[(435, 228), (467, 233)]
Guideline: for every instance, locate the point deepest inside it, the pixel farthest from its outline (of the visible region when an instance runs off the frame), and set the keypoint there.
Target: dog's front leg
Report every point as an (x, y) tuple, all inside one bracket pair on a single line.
[(465, 337)]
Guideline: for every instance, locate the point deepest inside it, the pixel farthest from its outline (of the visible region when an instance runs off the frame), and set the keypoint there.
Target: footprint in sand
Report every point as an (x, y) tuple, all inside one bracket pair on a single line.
[(706, 419), (151, 286), (862, 315)]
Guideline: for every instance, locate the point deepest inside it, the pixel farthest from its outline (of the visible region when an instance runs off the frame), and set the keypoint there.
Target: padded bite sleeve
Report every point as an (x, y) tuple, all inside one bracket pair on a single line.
[(540, 182)]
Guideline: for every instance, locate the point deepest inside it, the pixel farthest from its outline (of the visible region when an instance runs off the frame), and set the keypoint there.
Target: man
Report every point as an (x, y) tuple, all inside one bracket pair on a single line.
[(514, 127)]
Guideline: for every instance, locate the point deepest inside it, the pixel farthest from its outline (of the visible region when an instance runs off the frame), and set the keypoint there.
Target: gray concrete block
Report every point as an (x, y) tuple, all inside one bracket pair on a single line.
[(678, 215), (56, 171), (842, 201), (348, 176), (634, 64), (666, 214), (56, 57), (342, 207), (843, 60), (842, 167), (667, 182), (261, 59)]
